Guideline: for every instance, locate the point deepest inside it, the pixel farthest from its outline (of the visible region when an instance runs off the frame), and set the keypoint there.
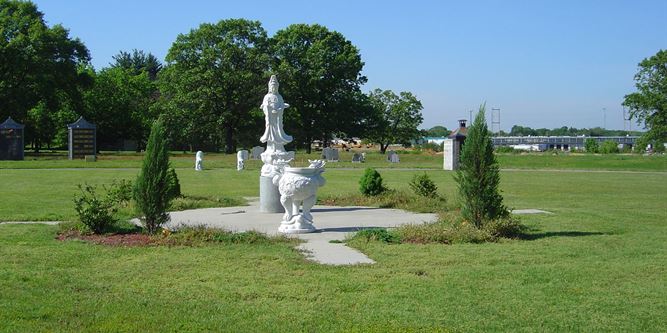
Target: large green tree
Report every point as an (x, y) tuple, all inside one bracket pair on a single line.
[(438, 131), (649, 103), (40, 70), (119, 103), (138, 62), (398, 117), (214, 81), (320, 75)]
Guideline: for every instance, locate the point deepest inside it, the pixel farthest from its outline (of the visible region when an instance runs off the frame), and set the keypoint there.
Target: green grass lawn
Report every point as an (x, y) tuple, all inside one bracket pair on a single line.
[(373, 159), (598, 264)]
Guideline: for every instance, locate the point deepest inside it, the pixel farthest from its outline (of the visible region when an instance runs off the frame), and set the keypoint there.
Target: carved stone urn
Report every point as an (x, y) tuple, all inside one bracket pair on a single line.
[(298, 194)]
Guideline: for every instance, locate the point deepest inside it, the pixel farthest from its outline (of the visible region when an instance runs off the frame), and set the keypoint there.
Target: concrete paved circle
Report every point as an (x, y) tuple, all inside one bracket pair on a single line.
[(333, 223)]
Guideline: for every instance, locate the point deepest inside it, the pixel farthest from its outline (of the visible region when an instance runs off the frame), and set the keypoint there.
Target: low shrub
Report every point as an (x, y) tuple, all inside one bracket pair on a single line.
[(377, 235), (173, 185), (370, 183), (430, 146), (609, 147), (423, 186), (194, 202), (200, 235), (506, 227), (120, 191), (452, 229), (505, 149), (96, 211), (448, 231), (390, 199), (591, 145)]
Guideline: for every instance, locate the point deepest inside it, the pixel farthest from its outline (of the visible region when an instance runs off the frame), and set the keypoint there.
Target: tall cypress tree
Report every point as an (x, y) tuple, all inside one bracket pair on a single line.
[(478, 176), (151, 191)]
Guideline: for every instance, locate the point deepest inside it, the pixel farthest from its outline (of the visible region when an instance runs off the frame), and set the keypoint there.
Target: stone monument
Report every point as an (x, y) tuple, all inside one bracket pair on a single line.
[(394, 158), (390, 156), (256, 153), (199, 161), (241, 157), (275, 157)]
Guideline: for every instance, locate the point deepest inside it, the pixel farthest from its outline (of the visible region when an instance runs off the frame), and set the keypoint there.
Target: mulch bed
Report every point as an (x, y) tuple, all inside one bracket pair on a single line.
[(134, 239)]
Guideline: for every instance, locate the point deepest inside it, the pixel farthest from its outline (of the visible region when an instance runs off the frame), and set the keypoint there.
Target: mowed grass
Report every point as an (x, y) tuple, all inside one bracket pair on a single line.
[(597, 264), (423, 160)]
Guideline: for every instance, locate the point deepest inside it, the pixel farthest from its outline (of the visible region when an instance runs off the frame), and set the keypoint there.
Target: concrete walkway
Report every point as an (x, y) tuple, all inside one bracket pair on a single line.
[(333, 223)]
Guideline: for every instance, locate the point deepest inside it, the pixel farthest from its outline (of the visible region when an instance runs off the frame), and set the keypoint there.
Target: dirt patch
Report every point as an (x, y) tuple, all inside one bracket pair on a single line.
[(134, 239)]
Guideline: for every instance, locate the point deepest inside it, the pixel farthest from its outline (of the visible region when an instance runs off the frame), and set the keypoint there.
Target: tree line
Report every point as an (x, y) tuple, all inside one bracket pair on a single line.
[(567, 131), (207, 92)]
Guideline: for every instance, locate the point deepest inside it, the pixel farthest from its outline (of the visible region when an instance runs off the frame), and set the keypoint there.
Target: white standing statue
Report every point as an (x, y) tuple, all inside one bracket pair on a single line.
[(199, 159), (275, 157), (274, 107), (298, 194)]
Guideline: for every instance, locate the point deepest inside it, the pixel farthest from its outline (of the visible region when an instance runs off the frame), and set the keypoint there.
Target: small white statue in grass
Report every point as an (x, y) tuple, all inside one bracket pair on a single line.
[(199, 160)]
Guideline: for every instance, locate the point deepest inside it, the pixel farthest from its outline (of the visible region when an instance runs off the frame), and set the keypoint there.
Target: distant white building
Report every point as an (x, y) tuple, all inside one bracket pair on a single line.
[(434, 139)]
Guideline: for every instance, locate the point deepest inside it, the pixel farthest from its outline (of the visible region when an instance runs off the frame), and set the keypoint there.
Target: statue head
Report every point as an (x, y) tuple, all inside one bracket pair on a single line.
[(273, 84)]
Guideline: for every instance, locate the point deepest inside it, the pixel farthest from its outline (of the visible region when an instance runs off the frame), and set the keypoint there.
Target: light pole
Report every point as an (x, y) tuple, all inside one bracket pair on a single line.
[(604, 117), (495, 119)]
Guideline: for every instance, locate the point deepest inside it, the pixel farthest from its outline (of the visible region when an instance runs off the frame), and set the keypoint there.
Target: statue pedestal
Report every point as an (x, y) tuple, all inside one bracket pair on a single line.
[(269, 196), (297, 225)]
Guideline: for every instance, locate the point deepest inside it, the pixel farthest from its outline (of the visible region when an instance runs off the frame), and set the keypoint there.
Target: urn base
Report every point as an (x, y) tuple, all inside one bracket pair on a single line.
[(297, 225)]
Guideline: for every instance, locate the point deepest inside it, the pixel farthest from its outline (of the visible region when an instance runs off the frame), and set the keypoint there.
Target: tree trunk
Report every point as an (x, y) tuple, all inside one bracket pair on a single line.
[(309, 142), (230, 147), (383, 148)]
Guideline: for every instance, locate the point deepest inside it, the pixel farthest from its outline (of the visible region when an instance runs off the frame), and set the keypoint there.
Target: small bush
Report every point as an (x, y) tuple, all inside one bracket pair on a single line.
[(507, 227), (609, 147), (173, 185), (95, 211), (591, 145), (377, 235), (121, 191), (431, 146), (370, 183), (505, 149), (423, 186)]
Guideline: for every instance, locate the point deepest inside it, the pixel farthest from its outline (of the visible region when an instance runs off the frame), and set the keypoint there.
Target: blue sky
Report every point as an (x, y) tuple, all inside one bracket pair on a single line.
[(543, 63)]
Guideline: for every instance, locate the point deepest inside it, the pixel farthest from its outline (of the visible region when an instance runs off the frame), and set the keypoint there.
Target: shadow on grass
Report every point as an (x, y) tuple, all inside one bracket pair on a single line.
[(540, 235)]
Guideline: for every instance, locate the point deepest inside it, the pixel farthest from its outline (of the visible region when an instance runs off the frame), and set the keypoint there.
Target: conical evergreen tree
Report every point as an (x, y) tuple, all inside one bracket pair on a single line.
[(478, 175), (151, 191)]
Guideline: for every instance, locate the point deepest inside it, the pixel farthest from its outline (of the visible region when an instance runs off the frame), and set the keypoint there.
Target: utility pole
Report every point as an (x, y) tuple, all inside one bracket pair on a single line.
[(627, 124), (495, 120)]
